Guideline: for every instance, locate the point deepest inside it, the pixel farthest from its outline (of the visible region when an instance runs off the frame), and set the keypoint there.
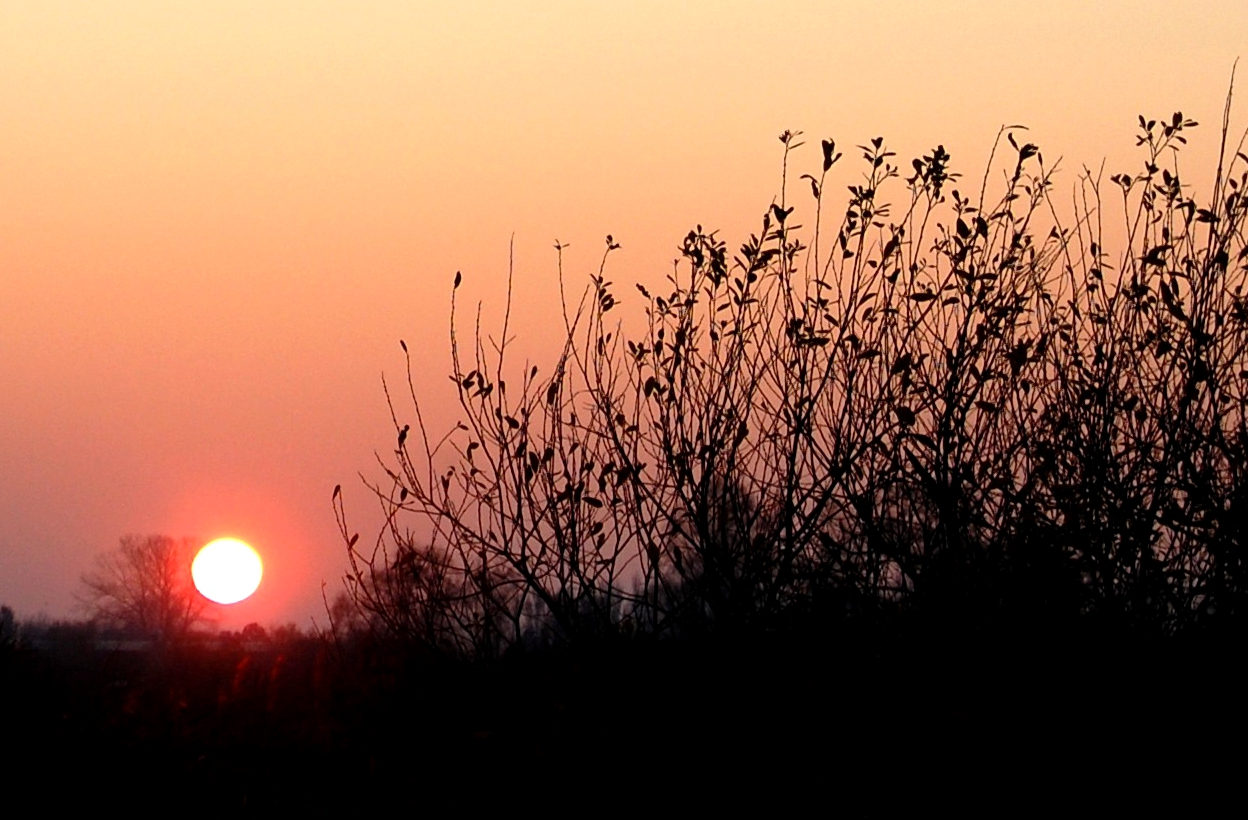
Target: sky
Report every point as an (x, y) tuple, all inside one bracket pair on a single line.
[(217, 220)]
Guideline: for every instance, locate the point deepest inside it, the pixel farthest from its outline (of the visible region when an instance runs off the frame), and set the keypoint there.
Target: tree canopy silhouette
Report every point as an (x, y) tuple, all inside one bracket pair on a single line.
[(145, 586)]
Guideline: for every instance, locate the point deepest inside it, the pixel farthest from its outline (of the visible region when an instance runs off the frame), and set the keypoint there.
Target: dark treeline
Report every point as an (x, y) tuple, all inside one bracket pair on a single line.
[(343, 723)]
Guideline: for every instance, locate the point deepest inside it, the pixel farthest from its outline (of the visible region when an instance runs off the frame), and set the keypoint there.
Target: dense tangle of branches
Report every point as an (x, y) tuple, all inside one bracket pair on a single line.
[(956, 405)]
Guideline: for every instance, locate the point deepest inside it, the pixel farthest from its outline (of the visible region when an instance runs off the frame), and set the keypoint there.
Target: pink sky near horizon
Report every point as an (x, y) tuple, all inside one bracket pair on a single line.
[(218, 220)]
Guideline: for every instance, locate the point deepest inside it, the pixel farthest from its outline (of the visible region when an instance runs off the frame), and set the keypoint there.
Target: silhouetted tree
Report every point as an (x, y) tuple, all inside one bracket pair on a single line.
[(145, 586), (8, 629)]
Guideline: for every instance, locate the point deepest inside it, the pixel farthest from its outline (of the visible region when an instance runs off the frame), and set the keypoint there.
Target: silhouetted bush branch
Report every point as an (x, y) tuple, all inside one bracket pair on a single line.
[(960, 408)]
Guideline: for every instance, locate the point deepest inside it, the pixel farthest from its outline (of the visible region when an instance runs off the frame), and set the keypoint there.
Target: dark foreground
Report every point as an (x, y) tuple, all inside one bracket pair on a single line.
[(862, 727)]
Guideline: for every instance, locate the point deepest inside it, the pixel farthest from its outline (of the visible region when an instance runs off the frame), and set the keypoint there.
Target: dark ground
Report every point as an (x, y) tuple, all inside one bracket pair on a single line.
[(858, 726)]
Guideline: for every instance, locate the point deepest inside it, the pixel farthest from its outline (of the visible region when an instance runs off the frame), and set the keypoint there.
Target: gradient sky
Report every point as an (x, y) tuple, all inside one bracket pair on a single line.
[(218, 219)]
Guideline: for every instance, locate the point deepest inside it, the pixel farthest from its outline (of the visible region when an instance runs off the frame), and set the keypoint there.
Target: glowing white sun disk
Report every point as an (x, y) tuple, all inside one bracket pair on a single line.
[(227, 570)]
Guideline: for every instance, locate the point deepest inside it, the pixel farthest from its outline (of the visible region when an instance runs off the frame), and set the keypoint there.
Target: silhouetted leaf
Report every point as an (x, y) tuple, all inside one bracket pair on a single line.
[(1156, 256), (828, 147), (925, 440), (1018, 357)]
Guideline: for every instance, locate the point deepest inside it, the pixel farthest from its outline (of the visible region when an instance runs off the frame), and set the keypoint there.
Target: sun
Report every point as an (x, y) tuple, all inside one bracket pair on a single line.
[(226, 570)]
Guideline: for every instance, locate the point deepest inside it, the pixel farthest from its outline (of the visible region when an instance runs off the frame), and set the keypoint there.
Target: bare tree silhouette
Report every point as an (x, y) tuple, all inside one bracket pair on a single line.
[(145, 586)]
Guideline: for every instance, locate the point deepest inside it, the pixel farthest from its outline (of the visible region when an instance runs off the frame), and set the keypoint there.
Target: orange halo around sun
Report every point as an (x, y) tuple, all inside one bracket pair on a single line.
[(226, 570)]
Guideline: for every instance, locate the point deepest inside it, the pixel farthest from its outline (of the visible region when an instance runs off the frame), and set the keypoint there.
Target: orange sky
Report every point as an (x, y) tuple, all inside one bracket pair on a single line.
[(217, 219)]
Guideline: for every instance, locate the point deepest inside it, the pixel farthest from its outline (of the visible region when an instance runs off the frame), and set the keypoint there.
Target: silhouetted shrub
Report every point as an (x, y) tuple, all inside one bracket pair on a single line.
[(962, 410)]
